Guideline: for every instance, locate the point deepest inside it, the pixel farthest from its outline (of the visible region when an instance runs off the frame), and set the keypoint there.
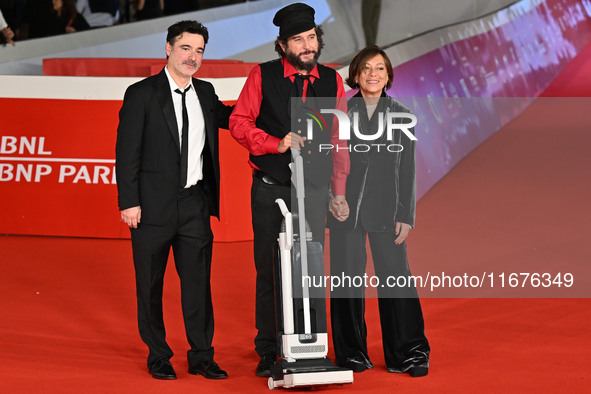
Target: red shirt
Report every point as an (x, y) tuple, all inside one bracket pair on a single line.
[(259, 142)]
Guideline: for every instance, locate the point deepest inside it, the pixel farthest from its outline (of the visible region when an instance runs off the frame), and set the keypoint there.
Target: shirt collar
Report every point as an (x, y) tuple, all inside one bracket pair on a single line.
[(172, 83), (289, 70)]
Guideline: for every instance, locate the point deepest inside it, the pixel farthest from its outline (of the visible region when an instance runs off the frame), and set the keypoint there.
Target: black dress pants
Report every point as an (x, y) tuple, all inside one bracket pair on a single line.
[(189, 234), (401, 317), (266, 223)]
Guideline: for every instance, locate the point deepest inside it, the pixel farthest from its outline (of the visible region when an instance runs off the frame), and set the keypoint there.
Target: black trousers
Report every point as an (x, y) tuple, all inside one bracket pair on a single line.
[(189, 234), (401, 317), (266, 222)]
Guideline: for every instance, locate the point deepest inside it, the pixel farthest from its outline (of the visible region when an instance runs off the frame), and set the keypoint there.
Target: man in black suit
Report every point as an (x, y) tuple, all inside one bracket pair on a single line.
[(168, 183)]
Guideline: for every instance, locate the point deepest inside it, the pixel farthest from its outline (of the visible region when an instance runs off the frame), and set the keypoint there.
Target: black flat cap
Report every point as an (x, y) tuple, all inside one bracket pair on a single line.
[(294, 19)]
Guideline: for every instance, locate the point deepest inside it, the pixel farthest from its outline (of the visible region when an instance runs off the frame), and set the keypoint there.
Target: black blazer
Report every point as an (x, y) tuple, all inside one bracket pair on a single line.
[(381, 186), (148, 148)]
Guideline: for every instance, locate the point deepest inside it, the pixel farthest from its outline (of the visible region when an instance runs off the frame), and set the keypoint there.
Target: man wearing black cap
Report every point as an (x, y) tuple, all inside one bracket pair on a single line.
[(261, 122)]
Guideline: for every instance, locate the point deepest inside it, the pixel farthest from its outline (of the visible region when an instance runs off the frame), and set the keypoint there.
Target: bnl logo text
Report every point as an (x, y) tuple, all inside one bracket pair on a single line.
[(345, 130)]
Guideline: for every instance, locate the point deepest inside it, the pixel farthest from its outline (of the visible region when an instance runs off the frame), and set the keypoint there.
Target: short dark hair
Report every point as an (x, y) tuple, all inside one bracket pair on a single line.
[(281, 52), (361, 58), (192, 27)]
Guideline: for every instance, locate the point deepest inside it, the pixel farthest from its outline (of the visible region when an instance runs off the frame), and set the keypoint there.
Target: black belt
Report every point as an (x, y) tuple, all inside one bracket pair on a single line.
[(268, 179)]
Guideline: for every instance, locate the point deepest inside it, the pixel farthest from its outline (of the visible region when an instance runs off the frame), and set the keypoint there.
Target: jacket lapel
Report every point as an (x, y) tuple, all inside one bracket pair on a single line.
[(360, 108), (380, 111), (165, 99), (369, 126), (206, 107)]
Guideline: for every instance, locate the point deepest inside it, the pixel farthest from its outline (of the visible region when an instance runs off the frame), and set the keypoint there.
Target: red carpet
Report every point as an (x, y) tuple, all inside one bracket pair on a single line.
[(68, 305)]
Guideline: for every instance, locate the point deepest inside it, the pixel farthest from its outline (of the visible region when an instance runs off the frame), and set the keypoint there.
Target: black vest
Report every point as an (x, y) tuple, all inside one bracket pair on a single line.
[(275, 118)]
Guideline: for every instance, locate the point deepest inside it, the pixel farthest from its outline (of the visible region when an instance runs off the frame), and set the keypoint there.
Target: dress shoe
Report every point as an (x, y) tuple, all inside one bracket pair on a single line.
[(414, 370), (162, 369), (210, 370), (418, 370), (264, 367), (356, 364)]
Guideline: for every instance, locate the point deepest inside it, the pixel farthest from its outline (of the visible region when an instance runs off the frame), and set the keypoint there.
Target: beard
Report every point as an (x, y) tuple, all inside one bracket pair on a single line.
[(297, 61)]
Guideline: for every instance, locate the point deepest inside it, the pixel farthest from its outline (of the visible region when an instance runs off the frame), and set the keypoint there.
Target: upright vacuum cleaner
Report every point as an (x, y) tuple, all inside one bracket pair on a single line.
[(301, 319)]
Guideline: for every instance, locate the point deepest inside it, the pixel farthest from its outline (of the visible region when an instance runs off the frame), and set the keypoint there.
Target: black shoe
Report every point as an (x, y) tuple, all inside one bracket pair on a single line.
[(418, 370), (264, 367), (162, 369), (210, 370), (356, 364), (414, 370)]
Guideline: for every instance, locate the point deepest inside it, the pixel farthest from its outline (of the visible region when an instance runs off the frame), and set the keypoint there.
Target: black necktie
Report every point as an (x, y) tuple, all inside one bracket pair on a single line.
[(184, 139), (299, 82)]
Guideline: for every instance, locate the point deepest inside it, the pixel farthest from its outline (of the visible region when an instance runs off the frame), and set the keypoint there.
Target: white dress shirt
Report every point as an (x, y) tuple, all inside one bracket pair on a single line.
[(196, 127)]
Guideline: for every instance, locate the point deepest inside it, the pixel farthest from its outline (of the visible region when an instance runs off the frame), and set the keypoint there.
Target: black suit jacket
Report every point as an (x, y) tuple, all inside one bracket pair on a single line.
[(381, 186), (148, 148)]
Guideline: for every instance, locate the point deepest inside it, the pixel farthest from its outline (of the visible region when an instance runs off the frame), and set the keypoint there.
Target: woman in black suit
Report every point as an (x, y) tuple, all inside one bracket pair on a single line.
[(381, 191)]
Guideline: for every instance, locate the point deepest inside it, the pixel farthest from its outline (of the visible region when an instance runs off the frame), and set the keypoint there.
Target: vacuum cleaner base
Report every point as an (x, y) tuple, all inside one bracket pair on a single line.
[(307, 373)]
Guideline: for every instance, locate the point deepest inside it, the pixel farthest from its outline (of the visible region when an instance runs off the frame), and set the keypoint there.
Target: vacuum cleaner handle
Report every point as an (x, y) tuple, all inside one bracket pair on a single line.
[(298, 181), (288, 223)]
